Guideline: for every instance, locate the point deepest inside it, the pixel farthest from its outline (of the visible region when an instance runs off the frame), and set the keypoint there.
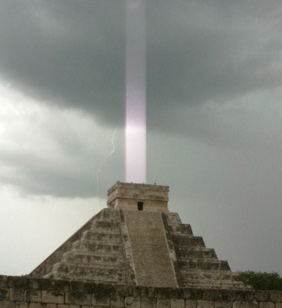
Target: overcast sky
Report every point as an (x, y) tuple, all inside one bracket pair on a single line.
[(214, 118)]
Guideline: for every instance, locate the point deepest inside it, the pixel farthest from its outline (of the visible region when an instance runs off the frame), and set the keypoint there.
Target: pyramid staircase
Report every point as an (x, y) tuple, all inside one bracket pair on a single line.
[(197, 266), (98, 255)]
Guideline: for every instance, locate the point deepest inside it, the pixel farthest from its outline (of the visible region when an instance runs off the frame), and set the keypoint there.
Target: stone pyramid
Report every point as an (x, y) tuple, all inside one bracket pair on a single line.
[(137, 241)]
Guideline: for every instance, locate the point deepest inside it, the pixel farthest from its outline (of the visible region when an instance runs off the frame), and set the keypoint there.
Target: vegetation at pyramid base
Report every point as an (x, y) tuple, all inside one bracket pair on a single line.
[(262, 281)]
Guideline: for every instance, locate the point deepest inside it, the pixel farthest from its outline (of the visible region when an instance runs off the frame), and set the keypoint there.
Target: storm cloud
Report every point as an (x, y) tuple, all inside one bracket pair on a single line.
[(214, 113)]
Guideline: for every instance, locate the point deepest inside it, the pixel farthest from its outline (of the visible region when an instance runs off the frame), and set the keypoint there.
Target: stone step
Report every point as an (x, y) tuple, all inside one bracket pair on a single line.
[(102, 237), (75, 258), (203, 264), (187, 240), (109, 215), (184, 253), (101, 224), (213, 279), (217, 275), (173, 219), (116, 275), (98, 248), (99, 229), (215, 285), (183, 229)]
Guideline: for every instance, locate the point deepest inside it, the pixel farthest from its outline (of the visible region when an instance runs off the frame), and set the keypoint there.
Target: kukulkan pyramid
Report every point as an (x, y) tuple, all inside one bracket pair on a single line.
[(137, 241)]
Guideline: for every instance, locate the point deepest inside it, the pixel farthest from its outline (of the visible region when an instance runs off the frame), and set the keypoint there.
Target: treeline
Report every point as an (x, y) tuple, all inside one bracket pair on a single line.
[(262, 281)]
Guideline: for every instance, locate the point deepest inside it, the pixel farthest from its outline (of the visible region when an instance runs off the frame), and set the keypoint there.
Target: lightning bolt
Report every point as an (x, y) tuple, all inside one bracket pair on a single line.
[(104, 160)]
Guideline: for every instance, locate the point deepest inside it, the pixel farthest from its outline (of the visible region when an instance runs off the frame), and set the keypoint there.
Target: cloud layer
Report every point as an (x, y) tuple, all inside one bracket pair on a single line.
[(214, 111)]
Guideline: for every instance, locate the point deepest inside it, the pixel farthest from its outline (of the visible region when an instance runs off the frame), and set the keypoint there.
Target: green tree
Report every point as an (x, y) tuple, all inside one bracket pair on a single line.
[(262, 281)]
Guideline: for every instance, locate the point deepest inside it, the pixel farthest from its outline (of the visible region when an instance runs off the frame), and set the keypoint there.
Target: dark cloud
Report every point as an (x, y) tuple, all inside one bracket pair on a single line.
[(72, 53), (66, 53), (213, 101)]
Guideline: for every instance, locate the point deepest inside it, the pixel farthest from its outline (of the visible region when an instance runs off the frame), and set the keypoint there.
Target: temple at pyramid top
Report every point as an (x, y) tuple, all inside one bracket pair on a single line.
[(142, 197), (137, 241)]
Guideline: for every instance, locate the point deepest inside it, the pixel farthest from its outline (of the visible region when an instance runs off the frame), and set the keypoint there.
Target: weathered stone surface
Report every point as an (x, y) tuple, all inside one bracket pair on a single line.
[(177, 303), (276, 296), (153, 264), (117, 301), (132, 302), (52, 297), (223, 304), (266, 305), (17, 294), (3, 281), (78, 297), (16, 283), (88, 295), (21, 305), (190, 303), (205, 304), (4, 294), (262, 296), (51, 306), (63, 306), (35, 305), (163, 303), (245, 304), (148, 302), (101, 300), (126, 195), (7, 304), (32, 295)]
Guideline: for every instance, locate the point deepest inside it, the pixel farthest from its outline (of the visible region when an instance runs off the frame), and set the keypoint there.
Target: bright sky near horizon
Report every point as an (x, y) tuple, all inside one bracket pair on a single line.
[(214, 118)]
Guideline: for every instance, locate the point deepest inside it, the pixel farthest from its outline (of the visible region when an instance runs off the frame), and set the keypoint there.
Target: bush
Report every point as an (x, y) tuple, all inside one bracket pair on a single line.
[(262, 281)]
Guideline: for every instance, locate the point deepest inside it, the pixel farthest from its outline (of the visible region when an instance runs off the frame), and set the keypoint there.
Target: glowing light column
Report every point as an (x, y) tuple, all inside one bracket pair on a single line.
[(135, 91)]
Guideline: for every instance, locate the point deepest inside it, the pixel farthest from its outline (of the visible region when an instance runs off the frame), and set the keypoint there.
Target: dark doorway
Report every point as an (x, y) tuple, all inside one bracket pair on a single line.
[(140, 206)]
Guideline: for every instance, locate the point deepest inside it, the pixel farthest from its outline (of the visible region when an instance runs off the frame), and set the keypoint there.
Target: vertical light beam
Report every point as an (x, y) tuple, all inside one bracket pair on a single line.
[(135, 91)]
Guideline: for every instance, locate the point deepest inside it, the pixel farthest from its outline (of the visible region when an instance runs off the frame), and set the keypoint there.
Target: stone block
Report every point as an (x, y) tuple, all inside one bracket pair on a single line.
[(79, 298), (162, 293), (223, 304), (63, 306), (100, 300), (74, 306), (143, 292), (193, 294), (4, 294), (212, 295), (244, 296), (17, 294), (35, 305), (177, 303), (132, 302), (3, 281), (52, 297), (189, 303), (50, 306), (163, 303), (16, 282), (262, 296), (205, 304), (21, 305), (245, 304), (32, 295), (148, 302), (117, 301), (266, 305), (7, 304), (278, 305), (276, 296)]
